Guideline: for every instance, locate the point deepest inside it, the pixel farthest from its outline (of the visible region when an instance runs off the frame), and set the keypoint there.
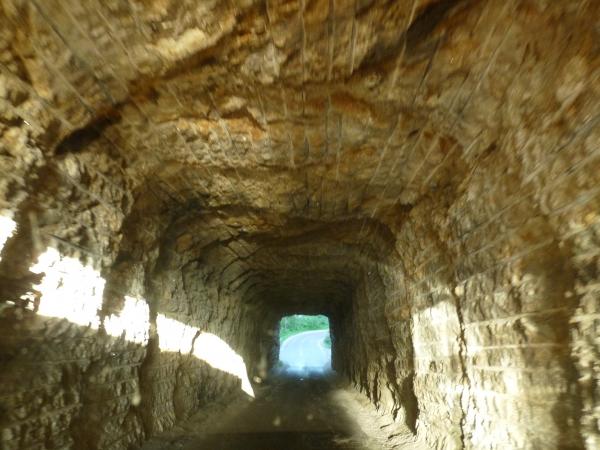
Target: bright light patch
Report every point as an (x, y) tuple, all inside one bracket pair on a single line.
[(69, 289), (218, 354), (7, 228), (132, 322), (439, 324), (174, 336), (511, 379)]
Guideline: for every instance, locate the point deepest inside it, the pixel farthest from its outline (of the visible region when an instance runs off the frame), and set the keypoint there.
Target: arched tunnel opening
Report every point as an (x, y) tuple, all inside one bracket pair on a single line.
[(305, 344), (178, 176)]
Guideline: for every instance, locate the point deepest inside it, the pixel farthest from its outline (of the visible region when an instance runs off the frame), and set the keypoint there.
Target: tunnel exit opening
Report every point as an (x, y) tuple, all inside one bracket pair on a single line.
[(305, 343)]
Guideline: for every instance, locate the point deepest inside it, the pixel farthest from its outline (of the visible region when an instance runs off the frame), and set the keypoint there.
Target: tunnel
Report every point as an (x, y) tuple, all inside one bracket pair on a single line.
[(178, 175)]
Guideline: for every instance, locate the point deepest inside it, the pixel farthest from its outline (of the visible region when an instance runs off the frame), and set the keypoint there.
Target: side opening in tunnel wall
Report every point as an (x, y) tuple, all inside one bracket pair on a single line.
[(305, 342)]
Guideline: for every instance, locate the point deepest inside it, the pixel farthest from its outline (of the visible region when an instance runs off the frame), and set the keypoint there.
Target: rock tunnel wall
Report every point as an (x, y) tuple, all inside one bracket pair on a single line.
[(476, 350), (106, 351), (180, 176)]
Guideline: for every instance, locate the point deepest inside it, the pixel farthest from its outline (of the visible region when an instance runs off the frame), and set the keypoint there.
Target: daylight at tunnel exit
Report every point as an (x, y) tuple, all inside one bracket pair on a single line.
[(299, 224)]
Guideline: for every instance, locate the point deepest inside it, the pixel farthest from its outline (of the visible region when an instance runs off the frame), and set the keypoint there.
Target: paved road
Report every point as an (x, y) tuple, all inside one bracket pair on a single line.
[(306, 351)]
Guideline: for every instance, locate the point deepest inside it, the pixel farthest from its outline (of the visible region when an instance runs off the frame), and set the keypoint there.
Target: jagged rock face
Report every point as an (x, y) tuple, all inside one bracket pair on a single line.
[(424, 172)]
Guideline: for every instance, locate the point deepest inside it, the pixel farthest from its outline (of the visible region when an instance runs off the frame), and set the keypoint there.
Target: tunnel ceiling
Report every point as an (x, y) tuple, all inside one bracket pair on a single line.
[(278, 141)]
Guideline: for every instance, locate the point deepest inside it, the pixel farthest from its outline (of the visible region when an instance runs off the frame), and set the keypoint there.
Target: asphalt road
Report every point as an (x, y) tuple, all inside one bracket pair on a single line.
[(306, 351)]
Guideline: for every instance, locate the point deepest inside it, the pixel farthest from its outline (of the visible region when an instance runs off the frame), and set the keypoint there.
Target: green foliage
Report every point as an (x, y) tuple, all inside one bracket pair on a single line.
[(299, 323)]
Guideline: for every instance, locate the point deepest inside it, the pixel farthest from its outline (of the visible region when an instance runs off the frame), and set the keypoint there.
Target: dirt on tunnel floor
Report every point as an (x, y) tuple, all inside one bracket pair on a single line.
[(292, 410)]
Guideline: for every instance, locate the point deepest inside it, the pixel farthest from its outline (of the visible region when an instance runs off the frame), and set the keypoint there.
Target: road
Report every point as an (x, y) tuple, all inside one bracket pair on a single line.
[(306, 351), (299, 407), (288, 413)]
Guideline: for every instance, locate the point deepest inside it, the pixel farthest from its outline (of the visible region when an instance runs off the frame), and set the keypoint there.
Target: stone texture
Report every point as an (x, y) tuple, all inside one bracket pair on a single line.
[(423, 172)]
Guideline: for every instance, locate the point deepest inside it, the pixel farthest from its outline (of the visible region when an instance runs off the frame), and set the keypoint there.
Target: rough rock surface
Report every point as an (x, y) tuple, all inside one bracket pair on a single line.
[(426, 173)]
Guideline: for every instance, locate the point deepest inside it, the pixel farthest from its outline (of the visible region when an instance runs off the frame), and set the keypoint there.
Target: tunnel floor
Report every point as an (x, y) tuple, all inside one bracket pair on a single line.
[(294, 410)]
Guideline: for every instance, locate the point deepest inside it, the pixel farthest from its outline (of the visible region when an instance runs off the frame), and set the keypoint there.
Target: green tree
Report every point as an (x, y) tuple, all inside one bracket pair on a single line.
[(298, 323)]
